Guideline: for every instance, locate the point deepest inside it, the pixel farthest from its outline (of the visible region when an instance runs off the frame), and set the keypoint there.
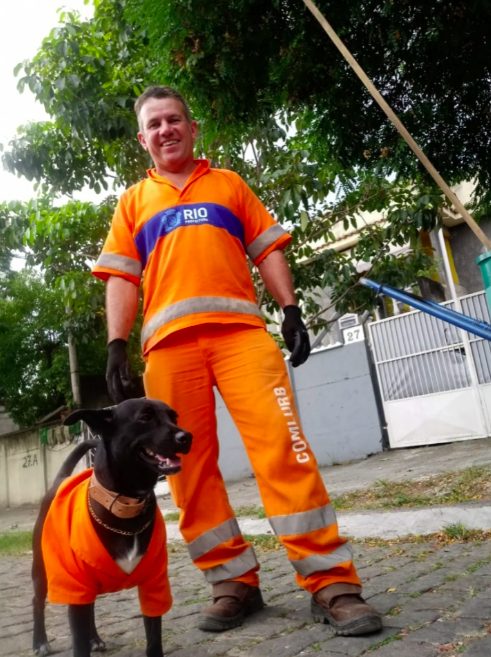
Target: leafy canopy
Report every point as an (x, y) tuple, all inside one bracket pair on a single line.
[(240, 62), (51, 298), (276, 102), (244, 60)]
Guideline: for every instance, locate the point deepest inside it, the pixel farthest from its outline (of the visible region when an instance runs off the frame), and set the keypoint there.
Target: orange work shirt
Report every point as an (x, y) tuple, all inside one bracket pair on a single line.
[(189, 248), (79, 567)]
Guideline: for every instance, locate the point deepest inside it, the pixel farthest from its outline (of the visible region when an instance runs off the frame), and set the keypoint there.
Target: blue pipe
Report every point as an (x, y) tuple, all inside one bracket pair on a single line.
[(470, 324)]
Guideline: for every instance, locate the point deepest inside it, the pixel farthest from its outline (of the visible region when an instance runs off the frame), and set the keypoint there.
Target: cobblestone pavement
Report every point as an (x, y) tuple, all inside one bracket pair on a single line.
[(436, 600)]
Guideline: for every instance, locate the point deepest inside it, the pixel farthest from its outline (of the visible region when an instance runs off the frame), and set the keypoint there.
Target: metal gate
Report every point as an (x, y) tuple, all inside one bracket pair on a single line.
[(434, 379)]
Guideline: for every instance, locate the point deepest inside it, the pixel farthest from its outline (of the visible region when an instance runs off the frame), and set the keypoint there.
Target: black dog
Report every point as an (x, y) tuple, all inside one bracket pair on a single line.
[(140, 442)]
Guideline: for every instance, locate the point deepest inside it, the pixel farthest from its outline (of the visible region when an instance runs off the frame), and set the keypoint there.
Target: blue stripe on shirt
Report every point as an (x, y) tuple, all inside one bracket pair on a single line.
[(193, 214)]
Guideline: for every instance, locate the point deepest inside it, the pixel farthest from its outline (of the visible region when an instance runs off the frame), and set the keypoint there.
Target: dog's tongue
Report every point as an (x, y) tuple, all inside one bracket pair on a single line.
[(166, 462)]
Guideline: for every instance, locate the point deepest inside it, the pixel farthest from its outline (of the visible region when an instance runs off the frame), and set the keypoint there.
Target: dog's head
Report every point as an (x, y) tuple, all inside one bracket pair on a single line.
[(140, 441)]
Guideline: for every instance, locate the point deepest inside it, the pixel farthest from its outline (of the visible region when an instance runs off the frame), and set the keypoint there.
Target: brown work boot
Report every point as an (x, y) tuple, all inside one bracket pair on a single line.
[(348, 614), (232, 602)]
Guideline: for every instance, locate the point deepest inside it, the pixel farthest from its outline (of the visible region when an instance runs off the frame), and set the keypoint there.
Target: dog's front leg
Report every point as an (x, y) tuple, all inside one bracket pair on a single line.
[(81, 619), (96, 643), (153, 632)]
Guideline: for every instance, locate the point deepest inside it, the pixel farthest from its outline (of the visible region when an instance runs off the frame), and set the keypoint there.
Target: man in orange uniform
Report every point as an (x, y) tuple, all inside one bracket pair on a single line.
[(185, 232)]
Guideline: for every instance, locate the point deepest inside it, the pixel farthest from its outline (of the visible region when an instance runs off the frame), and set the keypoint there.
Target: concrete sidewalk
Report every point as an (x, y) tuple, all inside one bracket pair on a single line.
[(436, 598)]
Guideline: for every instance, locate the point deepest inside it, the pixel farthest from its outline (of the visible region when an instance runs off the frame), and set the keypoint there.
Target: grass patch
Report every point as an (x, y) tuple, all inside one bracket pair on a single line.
[(251, 511), (385, 642), (438, 538), (246, 511), (476, 566), (265, 542), (172, 516), (393, 611), (458, 531), (469, 485), (15, 543)]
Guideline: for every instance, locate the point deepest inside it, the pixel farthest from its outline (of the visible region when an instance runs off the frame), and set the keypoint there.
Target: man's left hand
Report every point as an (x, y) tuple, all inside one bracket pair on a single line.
[(295, 335), (118, 374)]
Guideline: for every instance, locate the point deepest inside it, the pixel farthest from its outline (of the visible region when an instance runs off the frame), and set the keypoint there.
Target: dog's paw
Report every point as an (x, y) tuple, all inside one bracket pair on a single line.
[(42, 650), (97, 644)]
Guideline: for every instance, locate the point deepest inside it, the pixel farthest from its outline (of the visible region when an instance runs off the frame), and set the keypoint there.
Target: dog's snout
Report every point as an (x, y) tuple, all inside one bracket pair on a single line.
[(183, 441)]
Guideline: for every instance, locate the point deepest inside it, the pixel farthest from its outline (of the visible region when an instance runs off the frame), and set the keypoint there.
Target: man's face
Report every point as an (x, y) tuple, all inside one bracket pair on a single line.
[(167, 134)]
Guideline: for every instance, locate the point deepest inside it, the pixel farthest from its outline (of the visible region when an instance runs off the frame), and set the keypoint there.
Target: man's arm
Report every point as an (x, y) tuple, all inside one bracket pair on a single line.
[(121, 307), (121, 310), (277, 277)]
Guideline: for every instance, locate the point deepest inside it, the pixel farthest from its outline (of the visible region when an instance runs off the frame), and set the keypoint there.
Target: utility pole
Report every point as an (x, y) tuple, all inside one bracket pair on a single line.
[(74, 372)]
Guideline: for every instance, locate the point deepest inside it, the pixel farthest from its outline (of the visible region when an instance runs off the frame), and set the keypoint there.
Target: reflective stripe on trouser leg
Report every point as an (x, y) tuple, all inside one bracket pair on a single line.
[(253, 380), (177, 373), (317, 526), (219, 537)]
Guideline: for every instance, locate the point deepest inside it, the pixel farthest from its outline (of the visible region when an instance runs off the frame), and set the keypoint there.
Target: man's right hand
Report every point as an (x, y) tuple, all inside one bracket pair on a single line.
[(295, 335), (118, 373)]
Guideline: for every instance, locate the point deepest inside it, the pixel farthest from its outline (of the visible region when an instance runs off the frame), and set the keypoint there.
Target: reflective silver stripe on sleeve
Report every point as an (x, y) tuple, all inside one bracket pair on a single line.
[(197, 305), (234, 568), (120, 263), (264, 240), (214, 537), (318, 562), (304, 521)]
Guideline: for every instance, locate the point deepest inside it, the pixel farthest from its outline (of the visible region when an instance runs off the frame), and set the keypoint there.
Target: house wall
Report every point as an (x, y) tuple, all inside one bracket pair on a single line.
[(7, 425), (27, 467), (338, 409), (465, 249)]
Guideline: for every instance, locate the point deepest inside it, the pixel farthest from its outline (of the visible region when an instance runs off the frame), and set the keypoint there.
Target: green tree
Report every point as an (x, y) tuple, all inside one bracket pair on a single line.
[(244, 60), (34, 370), (276, 102), (86, 74), (51, 299)]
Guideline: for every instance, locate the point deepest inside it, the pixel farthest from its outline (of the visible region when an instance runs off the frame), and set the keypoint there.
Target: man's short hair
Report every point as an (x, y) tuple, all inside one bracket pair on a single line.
[(160, 92)]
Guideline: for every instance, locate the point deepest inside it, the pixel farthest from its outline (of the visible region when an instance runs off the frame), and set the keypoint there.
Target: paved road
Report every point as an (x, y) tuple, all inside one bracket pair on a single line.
[(436, 600)]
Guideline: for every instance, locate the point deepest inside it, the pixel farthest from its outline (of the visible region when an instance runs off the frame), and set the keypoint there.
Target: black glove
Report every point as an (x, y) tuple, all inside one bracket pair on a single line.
[(118, 374), (295, 335)]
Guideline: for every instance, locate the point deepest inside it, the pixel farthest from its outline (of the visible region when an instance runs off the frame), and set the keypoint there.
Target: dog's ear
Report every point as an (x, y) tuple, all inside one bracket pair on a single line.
[(99, 420)]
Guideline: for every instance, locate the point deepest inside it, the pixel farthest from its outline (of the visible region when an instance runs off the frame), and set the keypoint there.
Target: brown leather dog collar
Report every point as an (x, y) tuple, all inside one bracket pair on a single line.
[(119, 505)]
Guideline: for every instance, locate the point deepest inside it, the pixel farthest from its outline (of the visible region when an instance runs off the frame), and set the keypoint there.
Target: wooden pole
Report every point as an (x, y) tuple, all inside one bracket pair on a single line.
[(74, 371), (452, 197)]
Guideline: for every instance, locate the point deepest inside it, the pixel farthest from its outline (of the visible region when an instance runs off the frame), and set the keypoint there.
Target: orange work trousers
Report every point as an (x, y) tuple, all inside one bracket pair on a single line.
[(247, 367)]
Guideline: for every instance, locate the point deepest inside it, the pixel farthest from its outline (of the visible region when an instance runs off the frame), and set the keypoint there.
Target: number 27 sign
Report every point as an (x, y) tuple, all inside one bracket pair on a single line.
[(353, 334)]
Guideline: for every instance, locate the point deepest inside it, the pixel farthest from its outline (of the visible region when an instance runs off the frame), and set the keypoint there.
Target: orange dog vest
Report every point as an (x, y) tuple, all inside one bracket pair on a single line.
[(78, 566)]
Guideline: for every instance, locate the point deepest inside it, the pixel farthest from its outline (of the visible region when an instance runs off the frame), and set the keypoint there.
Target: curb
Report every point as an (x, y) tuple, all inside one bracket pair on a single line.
[(383, 524)]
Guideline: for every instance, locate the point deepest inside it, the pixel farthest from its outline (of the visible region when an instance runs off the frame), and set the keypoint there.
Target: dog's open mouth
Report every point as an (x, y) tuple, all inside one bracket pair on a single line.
[(165, 464)]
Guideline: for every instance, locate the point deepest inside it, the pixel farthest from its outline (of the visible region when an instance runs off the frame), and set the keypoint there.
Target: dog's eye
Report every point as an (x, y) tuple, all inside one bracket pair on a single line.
[(173, 417), (145, 415)]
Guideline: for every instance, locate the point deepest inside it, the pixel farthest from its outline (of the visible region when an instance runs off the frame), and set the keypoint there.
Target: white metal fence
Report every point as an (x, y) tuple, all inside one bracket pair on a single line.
[(426, 367)]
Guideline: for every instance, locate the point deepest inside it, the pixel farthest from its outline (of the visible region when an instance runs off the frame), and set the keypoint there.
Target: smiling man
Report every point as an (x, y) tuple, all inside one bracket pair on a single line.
[(167, 132), (185, 234)]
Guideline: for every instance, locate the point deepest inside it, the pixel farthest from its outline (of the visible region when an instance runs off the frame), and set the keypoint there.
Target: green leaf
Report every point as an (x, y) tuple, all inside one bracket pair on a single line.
[(304, 220)]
